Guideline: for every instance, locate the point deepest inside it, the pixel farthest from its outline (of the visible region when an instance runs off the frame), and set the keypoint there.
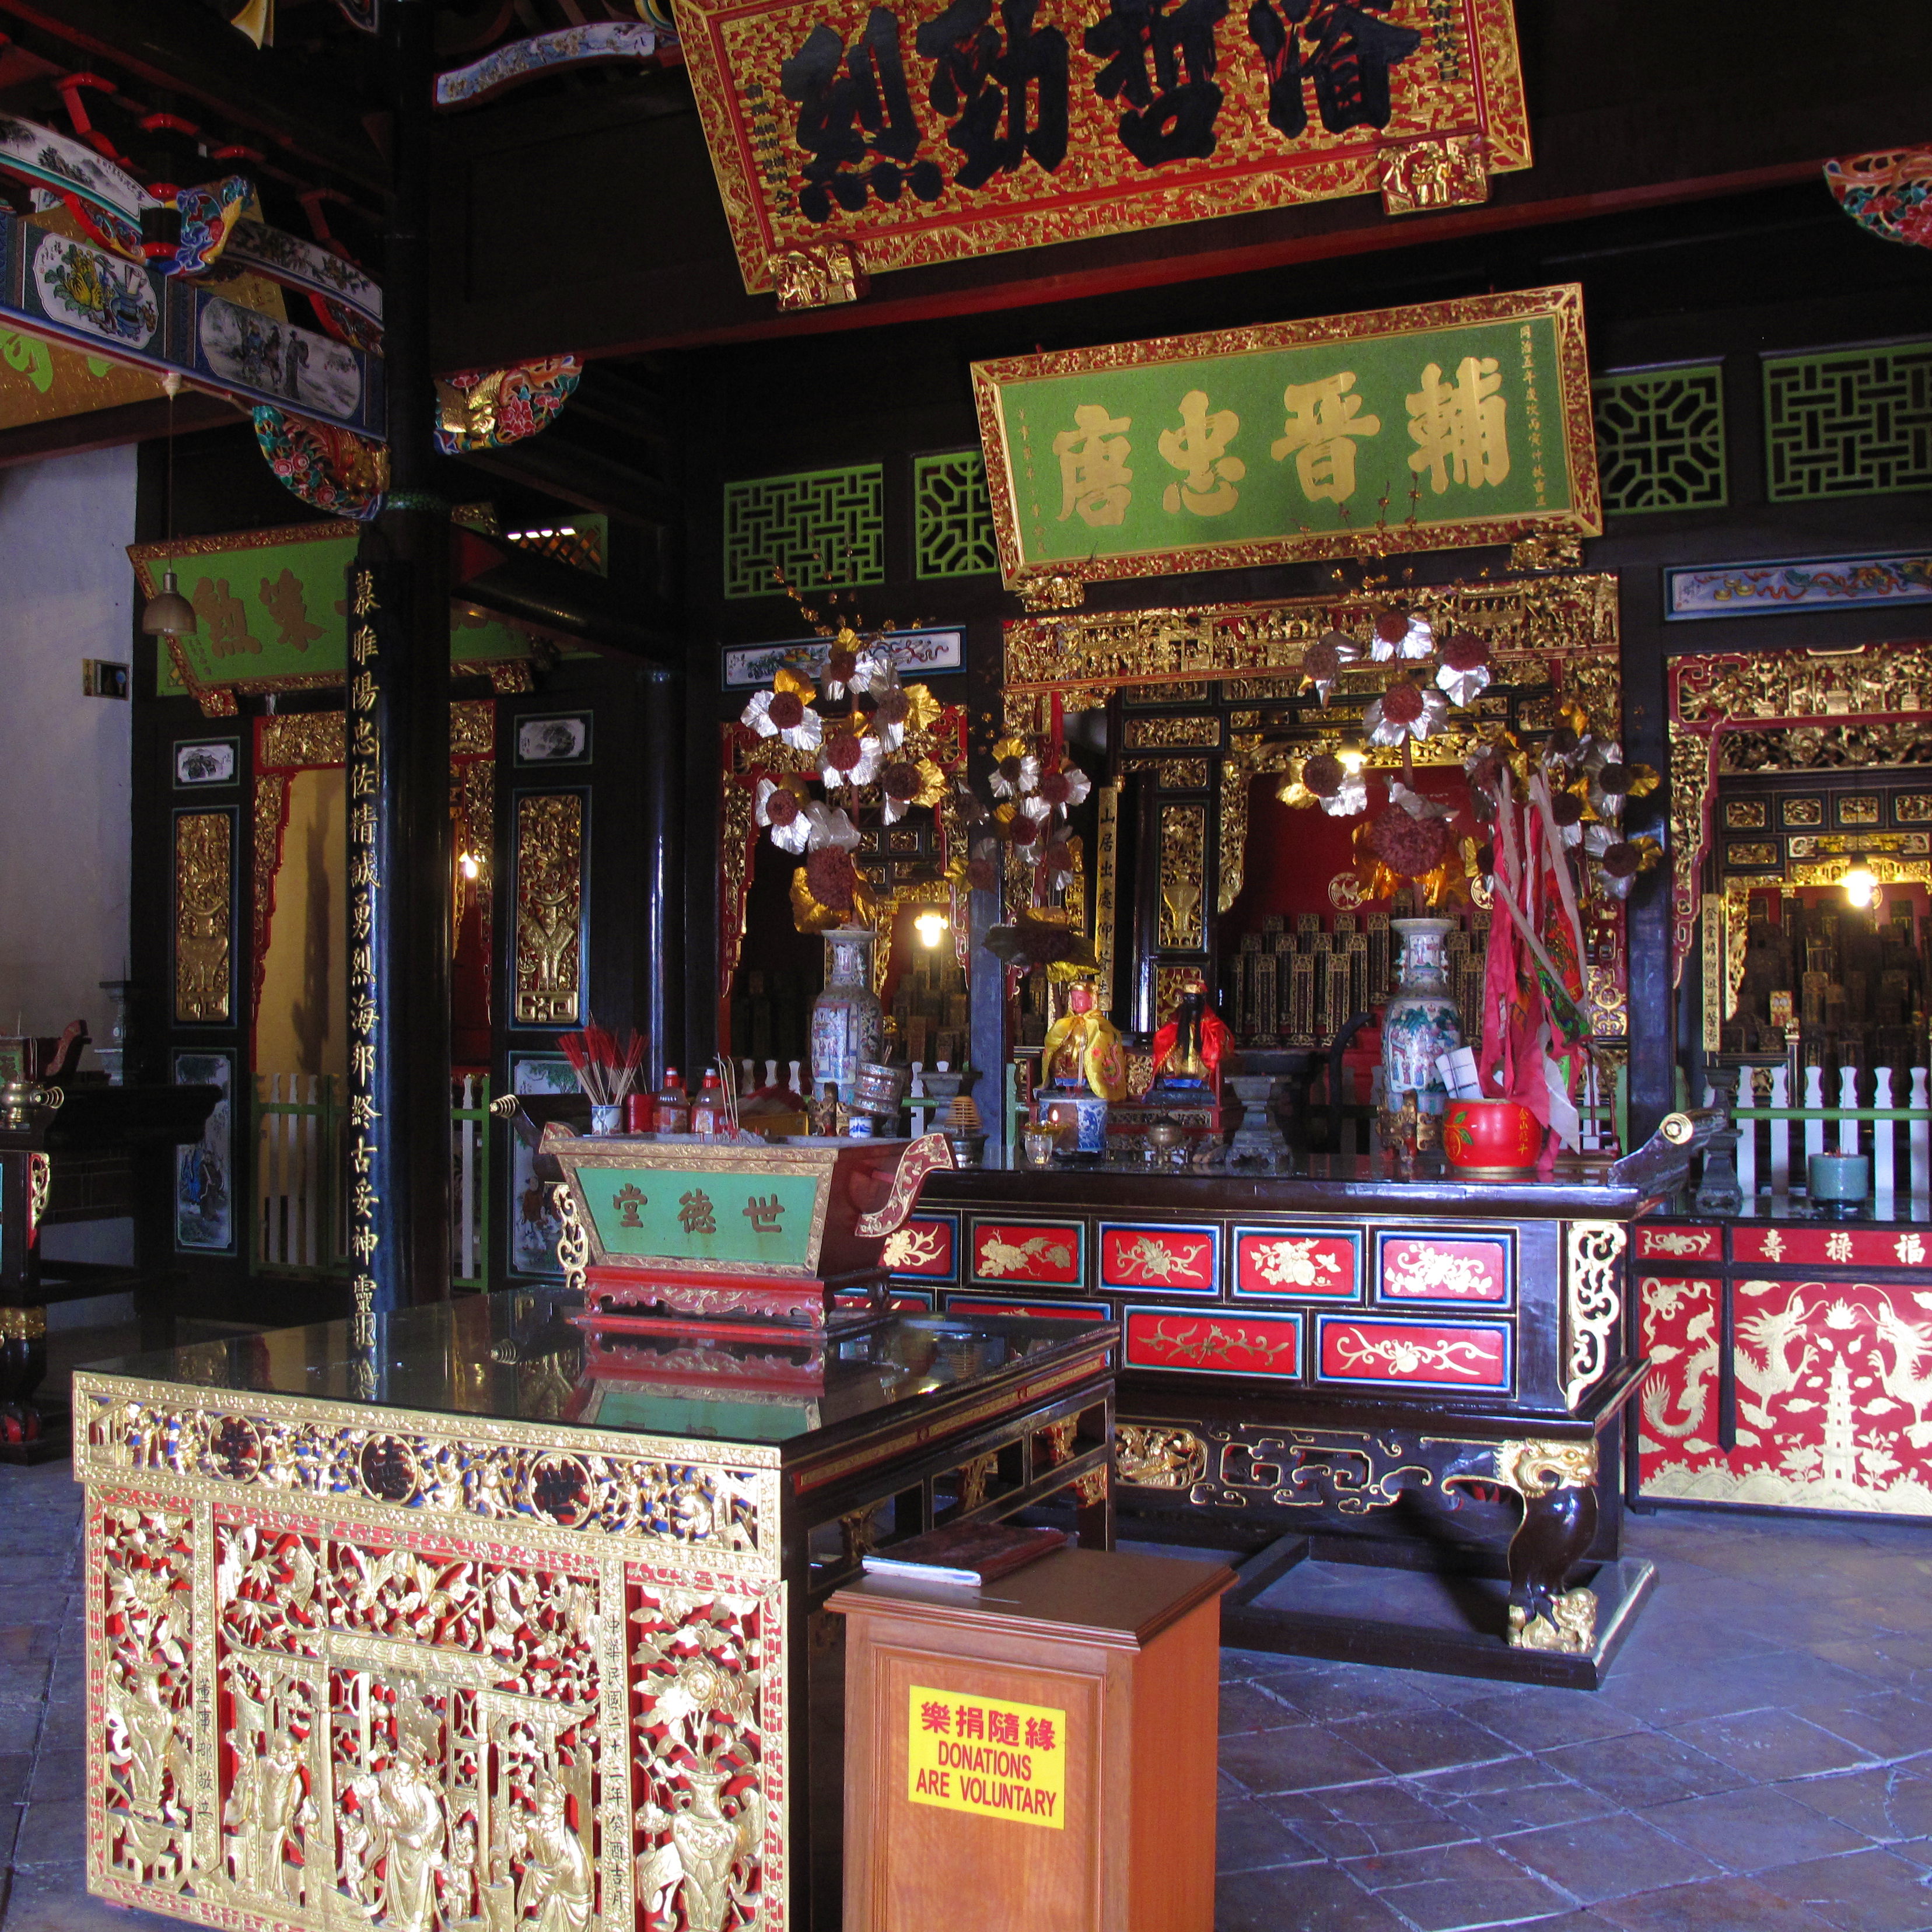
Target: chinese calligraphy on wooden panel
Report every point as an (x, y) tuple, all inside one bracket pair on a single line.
[(850, 138), (1456, 423)]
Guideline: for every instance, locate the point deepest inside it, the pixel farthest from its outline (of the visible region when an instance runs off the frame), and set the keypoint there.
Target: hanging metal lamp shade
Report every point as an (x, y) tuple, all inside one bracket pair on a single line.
[(168, 613)]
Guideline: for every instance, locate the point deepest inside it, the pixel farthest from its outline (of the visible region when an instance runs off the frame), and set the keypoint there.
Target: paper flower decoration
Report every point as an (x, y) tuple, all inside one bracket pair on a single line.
[(1326, 780), (898, 709), (1409, 844), (778, 807), (1623, 861), (906, 782), (826, 825), (847, 756), (1405, 710), (829, 890), (783, 713), (1015, 770), (1056, 863), (1057, 791), (1465, 668), (1321, 662), (1612, 782), (1398, 636)]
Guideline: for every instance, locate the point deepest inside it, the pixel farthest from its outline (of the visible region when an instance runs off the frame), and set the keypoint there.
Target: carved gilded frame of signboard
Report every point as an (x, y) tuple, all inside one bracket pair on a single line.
[(866, 192), (1867, 708), (1453, 425), (1557, 635)]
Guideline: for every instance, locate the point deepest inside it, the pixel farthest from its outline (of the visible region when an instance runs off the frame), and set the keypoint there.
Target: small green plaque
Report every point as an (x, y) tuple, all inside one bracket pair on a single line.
[(742, 1216)]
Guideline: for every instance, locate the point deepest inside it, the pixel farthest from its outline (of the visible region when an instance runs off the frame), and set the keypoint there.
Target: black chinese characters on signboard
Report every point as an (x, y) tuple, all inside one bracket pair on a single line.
[(1004, 83)]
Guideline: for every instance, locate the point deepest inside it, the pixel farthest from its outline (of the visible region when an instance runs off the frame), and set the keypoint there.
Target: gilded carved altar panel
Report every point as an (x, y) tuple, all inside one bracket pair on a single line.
[(344, 1672), (204, 917), (550, 908)]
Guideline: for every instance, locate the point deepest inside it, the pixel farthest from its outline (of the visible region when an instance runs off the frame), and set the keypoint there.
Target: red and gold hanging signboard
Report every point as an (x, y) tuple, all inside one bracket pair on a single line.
[(851, 138)]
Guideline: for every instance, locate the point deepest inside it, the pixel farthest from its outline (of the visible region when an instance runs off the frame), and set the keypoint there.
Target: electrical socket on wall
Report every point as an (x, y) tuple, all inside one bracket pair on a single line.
[(100, 678)]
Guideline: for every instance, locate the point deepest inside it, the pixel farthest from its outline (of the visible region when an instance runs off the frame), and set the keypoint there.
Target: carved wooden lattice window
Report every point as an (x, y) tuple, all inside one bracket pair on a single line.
[(1849, 422), (818, 526), (952, 518), (1661, 439)]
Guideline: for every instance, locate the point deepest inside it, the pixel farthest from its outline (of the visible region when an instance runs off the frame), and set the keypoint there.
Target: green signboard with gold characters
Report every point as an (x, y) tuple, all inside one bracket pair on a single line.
[(1452, 424), (271, 614), (743, 1216)]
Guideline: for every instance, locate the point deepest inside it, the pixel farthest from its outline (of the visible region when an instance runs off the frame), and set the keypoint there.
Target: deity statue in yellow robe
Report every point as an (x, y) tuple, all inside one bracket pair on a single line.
[(1083, 1050)]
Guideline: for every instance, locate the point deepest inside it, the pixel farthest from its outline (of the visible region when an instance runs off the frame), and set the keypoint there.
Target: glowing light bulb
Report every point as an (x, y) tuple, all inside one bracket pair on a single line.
[(931, 927), (1860, 887), (1352, 762), (470, 864)]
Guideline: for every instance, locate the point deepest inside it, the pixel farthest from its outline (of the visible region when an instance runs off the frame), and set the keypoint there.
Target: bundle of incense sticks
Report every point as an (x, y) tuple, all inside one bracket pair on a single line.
[(605, 1070)]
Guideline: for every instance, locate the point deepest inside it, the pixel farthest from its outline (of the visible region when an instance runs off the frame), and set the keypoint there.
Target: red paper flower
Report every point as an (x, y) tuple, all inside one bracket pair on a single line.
[(833, 878), (1323, 774), (786, 710), (1465, 651), (1392, 626), (1411, 846), (1402, 702)]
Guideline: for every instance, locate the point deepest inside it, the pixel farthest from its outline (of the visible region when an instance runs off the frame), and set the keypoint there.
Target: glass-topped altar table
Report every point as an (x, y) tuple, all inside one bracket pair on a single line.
[(472, 1617)]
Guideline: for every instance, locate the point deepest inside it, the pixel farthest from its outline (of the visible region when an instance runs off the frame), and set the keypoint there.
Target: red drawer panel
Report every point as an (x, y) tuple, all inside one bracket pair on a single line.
[(1443, 1267), (926, 1249), (1052, 1311), (1137, 1256), (1413, 1354), (1042, 1251), (1298, 1263), (1213, 1345)]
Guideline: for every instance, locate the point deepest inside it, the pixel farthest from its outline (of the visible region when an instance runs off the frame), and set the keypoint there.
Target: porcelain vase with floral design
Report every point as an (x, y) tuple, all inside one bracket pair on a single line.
[(848, 1025), (1421, 1023)]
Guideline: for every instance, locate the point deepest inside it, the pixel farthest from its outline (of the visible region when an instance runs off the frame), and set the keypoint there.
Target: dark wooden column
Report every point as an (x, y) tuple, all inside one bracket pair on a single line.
[(661, 930), (398, 769)]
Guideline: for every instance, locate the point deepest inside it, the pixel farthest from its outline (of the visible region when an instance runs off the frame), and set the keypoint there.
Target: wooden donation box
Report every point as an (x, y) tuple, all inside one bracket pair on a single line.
[(461, 1618), (1037, 1753)]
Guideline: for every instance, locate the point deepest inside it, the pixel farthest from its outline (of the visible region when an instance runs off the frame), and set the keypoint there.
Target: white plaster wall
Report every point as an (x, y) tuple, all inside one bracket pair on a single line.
[(67, 592)]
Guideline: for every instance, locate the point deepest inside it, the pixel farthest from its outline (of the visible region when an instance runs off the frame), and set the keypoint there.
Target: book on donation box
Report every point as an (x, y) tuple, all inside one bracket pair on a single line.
[(966, 1553)]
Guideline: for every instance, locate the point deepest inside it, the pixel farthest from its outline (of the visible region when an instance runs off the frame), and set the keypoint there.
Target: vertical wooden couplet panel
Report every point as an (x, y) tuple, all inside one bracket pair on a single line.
[(398, 759), (1041, 1754)]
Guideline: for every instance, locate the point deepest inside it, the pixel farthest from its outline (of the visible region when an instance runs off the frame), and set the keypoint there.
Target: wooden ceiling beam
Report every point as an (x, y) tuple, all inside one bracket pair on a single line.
[(279, 100)]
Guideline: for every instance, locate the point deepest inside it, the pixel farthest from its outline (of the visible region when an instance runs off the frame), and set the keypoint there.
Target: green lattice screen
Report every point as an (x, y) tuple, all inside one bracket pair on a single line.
[(1850, 422), (952, 519), (1660, 438), (818, 526)]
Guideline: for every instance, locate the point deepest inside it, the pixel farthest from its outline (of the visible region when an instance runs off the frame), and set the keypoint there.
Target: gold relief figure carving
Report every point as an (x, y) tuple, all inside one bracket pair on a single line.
[(557, 1887), (40, 1185), (1151, 1455), (272, 814), (859, 1534), (550, 905), (1053, 1444), (1593, 1253), (1547, 549), (819, 276), (1184, 831), (1052, 590), (203, 915), (680, 1496), (973, 1477), (1447, 173), (1091, 1488), (697, 1670), (1150, 733), (300, 740), (472, 728)]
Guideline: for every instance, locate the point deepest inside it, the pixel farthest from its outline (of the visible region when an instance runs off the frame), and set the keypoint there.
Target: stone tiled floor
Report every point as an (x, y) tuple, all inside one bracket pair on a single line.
[(1759, 1761)]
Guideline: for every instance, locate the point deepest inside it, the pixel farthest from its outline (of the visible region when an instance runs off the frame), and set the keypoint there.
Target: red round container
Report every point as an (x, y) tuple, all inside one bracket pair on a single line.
[(1491, 1140)]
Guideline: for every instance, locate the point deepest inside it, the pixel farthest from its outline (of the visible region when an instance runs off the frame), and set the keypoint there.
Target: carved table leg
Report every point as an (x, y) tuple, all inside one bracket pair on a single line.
[(1558, 1484)]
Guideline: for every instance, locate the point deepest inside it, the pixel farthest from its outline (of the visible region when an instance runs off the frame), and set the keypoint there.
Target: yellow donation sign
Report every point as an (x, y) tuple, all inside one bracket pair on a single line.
[(967, 1753)]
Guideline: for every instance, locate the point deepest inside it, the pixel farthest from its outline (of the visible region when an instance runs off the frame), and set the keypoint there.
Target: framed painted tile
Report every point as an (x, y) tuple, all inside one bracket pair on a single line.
[(926, 1249), (1212, 1342), (1361, 1353), (1007, 1252), (1138, 1255), (553, 738), (1298, 1263), (1679, 1245), (206, 761), (1449, 1268), (205, 1169)]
